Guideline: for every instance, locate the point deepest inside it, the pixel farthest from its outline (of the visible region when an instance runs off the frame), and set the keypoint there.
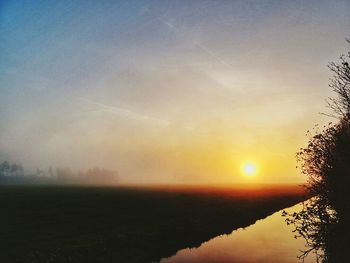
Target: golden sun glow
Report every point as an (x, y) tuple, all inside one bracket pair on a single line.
[(249, 169)]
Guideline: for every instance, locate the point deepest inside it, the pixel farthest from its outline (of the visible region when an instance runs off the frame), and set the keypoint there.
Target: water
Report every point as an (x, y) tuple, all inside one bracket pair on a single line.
[(269, 240)]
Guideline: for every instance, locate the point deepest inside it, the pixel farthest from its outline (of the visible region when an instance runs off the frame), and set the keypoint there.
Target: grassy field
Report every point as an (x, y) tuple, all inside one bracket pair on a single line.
[(125, 224)]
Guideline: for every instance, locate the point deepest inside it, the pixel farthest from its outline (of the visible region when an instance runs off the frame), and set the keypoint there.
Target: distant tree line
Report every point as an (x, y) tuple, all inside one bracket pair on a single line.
[(15, 174), (7, 169)]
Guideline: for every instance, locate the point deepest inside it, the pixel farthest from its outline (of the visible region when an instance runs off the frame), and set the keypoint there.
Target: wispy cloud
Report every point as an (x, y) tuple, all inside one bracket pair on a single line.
[(198, 45), (126, 113)]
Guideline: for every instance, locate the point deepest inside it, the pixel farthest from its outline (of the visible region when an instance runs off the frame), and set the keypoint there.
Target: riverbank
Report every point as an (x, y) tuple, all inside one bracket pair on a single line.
[(126, 224)]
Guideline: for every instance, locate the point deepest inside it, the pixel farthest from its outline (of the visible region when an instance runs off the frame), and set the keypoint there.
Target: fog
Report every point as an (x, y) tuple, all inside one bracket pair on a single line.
[(164, 92)]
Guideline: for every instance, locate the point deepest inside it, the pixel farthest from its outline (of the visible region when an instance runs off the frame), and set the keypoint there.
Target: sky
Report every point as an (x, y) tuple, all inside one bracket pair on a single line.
[(166, 91)]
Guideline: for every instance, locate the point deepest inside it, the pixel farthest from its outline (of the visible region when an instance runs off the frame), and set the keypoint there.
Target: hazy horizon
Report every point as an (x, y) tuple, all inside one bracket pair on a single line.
[(165, 92)]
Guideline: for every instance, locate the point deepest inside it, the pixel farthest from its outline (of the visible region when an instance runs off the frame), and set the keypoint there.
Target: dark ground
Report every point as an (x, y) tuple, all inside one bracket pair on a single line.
[(105, 224)]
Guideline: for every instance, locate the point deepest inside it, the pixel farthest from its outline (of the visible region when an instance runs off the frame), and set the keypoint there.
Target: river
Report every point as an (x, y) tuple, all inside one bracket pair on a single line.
[(268, 240)]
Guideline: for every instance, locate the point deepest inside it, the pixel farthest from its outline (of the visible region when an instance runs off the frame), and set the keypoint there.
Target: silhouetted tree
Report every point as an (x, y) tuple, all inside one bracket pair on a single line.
[(4, 168), (14, 173), (51, 174), (324, 221), (340, 84), (16, 169)]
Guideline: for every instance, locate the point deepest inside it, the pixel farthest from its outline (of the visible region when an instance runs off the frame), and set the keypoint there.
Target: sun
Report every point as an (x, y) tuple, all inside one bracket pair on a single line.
[(249, 169)]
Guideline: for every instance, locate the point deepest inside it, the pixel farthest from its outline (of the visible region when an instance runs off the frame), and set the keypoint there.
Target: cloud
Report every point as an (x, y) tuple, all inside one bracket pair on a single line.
[(126, 113)]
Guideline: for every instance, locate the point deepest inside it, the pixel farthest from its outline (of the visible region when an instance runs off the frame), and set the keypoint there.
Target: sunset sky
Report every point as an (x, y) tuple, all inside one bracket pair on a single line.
[(166, 91)]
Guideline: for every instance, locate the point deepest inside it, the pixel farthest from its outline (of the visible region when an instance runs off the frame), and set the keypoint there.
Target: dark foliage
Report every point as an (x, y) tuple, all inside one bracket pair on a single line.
[(340, 84), (324, 221)]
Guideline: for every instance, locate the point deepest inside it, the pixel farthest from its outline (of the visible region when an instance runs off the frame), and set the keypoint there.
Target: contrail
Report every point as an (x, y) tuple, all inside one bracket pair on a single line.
[(126, 113), (197, 44), (212, 54)]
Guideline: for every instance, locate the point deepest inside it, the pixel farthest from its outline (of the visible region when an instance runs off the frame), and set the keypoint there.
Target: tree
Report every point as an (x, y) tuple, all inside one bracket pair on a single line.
[(340, 84), (4, 168), (16, 169), (324, 219)]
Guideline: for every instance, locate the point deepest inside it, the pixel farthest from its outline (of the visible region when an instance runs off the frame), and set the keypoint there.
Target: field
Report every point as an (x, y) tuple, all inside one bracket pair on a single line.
[(125, 224)]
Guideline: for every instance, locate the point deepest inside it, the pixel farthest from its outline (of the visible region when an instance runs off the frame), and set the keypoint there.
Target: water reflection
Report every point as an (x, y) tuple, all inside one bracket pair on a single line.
[(268, 240), (325, 228)]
